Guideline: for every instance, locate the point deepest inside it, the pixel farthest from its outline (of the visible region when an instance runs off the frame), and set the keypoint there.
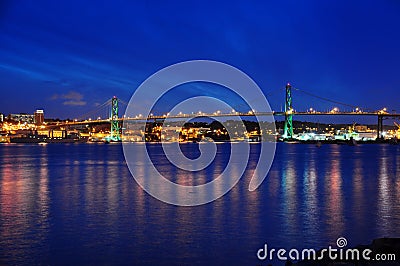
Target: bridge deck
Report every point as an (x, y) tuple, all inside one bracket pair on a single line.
[(179, 116)]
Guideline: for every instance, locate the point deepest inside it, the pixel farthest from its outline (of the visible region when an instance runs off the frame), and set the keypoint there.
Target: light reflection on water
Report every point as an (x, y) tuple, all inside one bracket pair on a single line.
[(290, 202), (333, 192), (311, 206), (78, 204)]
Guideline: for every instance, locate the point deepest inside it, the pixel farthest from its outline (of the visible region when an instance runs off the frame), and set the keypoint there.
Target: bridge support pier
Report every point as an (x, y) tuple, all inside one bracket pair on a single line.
[(288, 129), (379, 129), (115, 129)]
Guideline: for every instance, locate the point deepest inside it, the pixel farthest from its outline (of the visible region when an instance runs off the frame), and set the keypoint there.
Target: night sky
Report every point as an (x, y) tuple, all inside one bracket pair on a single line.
[(68, 57)]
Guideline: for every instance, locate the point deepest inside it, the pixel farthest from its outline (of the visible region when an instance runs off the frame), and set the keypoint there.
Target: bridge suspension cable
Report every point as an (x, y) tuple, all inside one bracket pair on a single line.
[(254, 100), (98, 109), (327, 99), (123, 102)]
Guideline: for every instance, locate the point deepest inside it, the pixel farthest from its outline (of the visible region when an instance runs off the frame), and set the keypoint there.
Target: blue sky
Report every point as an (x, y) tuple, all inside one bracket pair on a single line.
[(67, 57)]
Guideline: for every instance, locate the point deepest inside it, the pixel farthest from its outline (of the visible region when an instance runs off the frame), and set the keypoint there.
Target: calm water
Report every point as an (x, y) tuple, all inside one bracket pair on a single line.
[(78, 204)]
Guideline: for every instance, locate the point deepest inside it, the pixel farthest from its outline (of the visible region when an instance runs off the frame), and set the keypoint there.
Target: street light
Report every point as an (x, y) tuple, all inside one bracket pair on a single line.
[(384, 110), (334, 110)]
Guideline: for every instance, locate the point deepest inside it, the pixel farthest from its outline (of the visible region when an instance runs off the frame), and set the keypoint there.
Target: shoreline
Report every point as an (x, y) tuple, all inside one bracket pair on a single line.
[(294, 141)]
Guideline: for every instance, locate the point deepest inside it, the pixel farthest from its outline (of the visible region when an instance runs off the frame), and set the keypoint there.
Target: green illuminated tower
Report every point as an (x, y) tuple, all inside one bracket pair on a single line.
[(114, 133), (288, 130)]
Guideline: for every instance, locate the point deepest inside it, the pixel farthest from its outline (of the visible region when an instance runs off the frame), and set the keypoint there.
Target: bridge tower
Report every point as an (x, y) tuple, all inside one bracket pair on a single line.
[(288, 129), (115, 129)]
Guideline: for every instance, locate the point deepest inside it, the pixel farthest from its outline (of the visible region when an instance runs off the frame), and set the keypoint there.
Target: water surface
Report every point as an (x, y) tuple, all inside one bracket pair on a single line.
[(78, 204)]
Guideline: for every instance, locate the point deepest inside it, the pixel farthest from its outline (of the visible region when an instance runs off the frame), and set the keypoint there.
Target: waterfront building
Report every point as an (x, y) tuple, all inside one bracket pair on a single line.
[(22, 118), (39, 117)]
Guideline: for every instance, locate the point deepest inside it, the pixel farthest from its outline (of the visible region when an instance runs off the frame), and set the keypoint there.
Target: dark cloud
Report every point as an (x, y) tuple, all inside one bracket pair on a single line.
[(72, 98), (74, 103)]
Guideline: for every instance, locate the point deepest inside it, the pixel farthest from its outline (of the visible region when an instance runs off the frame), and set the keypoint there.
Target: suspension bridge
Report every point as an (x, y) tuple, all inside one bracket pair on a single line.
[(115, 120)]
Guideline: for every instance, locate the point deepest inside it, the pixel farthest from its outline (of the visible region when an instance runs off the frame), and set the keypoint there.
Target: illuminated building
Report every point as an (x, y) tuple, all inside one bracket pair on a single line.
[(22, 118), (39, 117), (53, 133)]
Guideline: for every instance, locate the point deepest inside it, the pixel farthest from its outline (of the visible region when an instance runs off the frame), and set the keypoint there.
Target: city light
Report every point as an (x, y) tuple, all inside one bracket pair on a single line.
[(383, 111), (22, 122)]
